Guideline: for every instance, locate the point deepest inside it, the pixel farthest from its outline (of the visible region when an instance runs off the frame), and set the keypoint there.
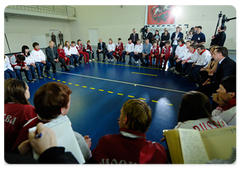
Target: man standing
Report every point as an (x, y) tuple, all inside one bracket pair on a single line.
[(60, 35), (149, 36), (220, 37), (101, 49), (134, 36), (175, 37), (199, 37), (53, 57), (53, 38)]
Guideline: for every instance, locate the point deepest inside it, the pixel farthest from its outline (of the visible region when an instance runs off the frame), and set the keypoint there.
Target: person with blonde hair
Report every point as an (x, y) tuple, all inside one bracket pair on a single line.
[(110, 50)]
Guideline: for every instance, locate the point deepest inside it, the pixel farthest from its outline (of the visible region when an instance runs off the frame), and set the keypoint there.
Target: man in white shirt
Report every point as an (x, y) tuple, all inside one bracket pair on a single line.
[(129, 51)]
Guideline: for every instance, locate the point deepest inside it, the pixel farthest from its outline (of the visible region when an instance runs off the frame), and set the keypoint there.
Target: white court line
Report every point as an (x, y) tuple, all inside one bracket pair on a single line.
[(124, 82)]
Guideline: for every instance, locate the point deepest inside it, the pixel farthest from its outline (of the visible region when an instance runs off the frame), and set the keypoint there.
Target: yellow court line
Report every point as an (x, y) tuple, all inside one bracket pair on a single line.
[(92, 88), (142, 98), (53, 78), (76, 84), (58, 80), (154, 101), (110, 92), (100, 90), (70, 83), (64, 81), (168, 104), (144, 74), (130, 96), (45, 75), (49, 77), (120, 94), (84, 86)]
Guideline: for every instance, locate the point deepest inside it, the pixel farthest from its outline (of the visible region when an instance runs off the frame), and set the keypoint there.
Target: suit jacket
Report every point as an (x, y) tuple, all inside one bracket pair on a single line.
[(226, 68), (180, 35), (49, 53), (219, 39), (132, 37), (103, 46), (149, 36)]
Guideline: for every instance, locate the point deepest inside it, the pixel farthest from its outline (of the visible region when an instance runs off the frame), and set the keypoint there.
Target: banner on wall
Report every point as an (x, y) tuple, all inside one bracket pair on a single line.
[(160, 14)]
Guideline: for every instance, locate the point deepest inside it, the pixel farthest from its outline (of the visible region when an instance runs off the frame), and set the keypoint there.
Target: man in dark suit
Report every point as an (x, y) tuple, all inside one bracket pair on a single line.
[(149, 36), (53, 57), (175, 37), (226, 67), (220, 37), (101, 49), (134, 36)]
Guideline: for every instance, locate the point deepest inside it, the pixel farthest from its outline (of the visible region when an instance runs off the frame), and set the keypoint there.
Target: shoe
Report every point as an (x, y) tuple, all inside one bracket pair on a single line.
[(30, 81), (46, 72), (93, 60), (34, 79), (71, 66), (164, 68), (123, 61), (172, 69), (176, 72), (143, 64), (103, 60), (186, 76), (90, 60), (109, 60), (77, 65), (137, 62), (80, 62), (54, 71), (129, 62), (40, 78), (98, 59), (112, 60), (66, 69)]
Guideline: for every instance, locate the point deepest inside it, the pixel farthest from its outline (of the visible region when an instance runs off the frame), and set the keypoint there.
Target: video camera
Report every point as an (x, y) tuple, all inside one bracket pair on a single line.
[(144, 31), (224, 19)]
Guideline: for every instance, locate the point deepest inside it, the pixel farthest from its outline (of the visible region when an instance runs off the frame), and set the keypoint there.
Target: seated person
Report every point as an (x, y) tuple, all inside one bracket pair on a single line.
[(118, 50), (146, 52), (226, 98), (138, 48), (165, 54), (179, 52), (192, 57), (81, 52), (51, 101), (18, 63), (182, 57), (89, 50), (68, 54), (53, 58), (129, 51), (155, 53), (130, 145), (29, 61), (203, 59), (8, 70), (110, 50), (226, 67), (195, 113), (40, 60), (75, 54), (62, 55), (198, 38), (206, 73), (101, 49), (17, 110)]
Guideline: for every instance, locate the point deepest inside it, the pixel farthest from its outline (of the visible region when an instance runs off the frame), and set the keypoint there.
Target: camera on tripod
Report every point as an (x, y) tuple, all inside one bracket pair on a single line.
[(224, 19)]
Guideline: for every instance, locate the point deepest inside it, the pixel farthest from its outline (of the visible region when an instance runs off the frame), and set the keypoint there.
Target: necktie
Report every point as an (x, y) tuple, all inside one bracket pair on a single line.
[(218, 66)]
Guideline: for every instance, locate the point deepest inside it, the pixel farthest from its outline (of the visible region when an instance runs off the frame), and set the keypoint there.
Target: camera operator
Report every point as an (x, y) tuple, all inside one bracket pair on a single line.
[(220, 37)]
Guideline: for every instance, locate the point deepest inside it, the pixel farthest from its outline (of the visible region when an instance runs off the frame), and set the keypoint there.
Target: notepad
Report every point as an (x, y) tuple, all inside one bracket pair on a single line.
[(65, 137)]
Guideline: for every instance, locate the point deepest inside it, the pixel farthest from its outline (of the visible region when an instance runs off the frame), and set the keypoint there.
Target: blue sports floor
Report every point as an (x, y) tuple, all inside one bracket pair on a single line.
[(100, 89)]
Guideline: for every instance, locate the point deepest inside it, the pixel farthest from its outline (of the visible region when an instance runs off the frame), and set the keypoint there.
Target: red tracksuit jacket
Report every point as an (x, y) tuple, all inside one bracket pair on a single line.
[(167, 51), (128, 147), (61, 53), (119, 48), (156, 51)]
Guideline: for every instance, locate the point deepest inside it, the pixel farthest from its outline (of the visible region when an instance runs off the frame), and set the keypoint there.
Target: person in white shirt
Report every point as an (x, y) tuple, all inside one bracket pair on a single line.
[(138, 51), (226, 98), (68, 54), (203, 59), (110, 50), (129, 51), (8, 70), (74, 53), (195, 113), (40, 60)]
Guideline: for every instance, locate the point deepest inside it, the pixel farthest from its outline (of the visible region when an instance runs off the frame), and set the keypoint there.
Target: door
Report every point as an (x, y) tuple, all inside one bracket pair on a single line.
[(55, 32), (93, 36)]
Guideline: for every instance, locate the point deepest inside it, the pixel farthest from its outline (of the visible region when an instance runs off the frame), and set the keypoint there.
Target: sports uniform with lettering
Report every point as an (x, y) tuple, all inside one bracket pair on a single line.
[(202, 124), (119, 48), (128, 147), (62, 55), (156, 51), (15, 116), (88, 49), (83, 53), (168, 53), (191, 58), (227, 113)]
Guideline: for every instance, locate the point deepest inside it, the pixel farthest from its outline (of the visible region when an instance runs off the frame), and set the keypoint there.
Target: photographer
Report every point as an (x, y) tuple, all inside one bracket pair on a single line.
[(220, 37)]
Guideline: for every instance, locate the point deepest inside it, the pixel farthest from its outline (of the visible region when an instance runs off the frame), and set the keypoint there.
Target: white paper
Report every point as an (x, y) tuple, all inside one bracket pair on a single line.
[(193, 149), (65, 137)]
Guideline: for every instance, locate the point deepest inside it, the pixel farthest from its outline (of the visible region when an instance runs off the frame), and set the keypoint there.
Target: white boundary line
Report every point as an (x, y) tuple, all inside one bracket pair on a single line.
[(123, 82)]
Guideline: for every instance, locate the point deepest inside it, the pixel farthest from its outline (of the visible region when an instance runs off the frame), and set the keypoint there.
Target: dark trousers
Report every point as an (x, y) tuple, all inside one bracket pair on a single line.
[(53, 64), (179, 66), (73, 59), (104, 54), (195, 73), (39, 68), (90, 53), (110, 54), (137, 56), (32, 70), (9, 74), (27, 73), (144, 58), (131, 54)]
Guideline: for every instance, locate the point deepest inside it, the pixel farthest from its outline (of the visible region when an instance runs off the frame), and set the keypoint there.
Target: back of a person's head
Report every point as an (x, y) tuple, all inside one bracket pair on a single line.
[(14, 91), (195, 105), (139, 115), (229, 83), (201, 46), (50, 98)]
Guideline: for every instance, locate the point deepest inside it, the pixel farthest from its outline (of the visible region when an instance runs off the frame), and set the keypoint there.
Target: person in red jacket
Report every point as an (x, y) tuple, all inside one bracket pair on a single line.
[(130, 146), (81, 52), (166, 53), (118, 50), (155, 53), (62, 55), (17, 110)]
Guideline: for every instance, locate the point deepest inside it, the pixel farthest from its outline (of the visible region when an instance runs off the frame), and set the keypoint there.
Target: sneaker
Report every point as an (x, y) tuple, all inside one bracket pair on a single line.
[(109, 60), (176, 72), (54, 71), (137, 62), (129, 62), (172, 69), (46, 72), (112, 60), (103, 60), (71, 66), (90, 60), (77, 65), (40, 78), (30, 81), (163, 68), (80, 62), (186, 75), (93, 60), (34, 79)]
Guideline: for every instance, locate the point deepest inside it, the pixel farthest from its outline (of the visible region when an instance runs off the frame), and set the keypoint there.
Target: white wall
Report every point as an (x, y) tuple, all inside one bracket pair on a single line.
[(114, 21), (33, 26)]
